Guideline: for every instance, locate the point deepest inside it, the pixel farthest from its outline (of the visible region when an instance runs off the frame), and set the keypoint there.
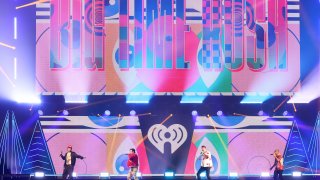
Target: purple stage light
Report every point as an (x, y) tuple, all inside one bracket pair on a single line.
[(132, 113), (194, 113), (219, 113), (40, 112), (65, 112), (107, 113), (285, 113), (260, 113)]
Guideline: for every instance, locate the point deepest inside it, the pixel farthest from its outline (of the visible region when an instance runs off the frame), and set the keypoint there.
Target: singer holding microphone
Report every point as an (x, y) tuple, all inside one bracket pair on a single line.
[(133, 163), (206, 162), (69, 162), (278, 163)]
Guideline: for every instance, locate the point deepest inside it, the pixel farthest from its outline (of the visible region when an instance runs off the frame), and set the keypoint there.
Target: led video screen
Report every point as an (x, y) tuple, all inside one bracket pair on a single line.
[(168, 46)]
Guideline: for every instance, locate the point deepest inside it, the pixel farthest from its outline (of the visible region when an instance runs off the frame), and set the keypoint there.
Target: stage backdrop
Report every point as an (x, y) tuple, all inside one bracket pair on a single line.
[(163, 142), (238, 144), (168, 46)]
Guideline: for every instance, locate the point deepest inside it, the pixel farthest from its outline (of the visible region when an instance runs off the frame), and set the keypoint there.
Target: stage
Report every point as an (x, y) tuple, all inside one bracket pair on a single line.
[(147, 177), (100, 87)]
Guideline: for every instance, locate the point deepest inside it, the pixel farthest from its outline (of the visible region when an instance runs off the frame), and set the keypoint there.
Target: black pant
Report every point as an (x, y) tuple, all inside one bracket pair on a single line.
[(277, 174), (207, 169), (67, 172)]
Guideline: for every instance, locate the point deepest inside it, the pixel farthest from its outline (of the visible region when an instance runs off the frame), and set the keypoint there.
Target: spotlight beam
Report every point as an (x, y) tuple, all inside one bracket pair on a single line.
[(238, 114), (114, 135), (276, 109), (32, 3), (224, 146), (7, 77), (7, 45), (294, 106)]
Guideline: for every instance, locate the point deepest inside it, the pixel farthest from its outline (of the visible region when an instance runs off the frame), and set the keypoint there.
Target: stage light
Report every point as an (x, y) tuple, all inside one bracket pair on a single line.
[(40, 112), (132, 113), (32, 3), (203, 174), (233, 174), (39, 174), (104, 175), (169, 174), (310, 89), (260, 113), (192, 99), (137, 102), (255, 98), (299, 100), (29, 99), (265, 174), (139, 174), (194, 113), (219, 113), (77, 99), (7, 46), (296, 174), (65, 112), (107, 113), (138, 99), (112, 2), (285, 113), (15, 68), (74, 174), (15, 28)]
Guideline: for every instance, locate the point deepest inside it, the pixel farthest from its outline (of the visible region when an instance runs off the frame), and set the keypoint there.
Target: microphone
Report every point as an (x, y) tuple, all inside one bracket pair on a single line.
[(271, 154)]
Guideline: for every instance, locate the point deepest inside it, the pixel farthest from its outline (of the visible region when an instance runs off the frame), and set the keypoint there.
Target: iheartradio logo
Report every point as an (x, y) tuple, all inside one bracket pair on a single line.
[(176, 135)]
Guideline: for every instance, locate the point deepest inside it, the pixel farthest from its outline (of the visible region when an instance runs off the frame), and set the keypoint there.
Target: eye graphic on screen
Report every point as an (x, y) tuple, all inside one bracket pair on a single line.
[(127, 75), (111, 8), (121, 157), (121, 164)]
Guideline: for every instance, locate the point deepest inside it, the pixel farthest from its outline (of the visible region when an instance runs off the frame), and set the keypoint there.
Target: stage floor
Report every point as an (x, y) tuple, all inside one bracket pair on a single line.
[(87, 177)]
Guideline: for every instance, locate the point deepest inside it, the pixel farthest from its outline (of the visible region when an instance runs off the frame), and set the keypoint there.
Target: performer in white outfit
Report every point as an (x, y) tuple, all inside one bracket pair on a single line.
[(206, 162)]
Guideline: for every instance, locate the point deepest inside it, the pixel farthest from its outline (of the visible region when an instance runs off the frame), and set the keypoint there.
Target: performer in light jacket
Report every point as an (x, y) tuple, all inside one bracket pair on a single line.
[(206, 162)]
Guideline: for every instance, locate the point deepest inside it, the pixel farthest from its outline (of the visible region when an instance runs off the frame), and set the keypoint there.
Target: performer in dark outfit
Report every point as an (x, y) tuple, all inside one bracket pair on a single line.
[(278, 163), (69, 162)]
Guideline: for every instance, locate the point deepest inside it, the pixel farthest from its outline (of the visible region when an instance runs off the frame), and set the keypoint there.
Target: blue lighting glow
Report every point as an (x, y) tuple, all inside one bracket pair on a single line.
[(169, 174), (192, 99), (138, 99), (107, 113), (254, 99)]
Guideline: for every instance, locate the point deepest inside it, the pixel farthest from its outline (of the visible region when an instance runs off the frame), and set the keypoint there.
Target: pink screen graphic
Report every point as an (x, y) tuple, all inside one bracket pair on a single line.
[(143, 46)]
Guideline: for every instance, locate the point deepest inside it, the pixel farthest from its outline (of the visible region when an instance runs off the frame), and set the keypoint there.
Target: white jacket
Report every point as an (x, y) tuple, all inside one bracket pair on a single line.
[(206, 159)]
